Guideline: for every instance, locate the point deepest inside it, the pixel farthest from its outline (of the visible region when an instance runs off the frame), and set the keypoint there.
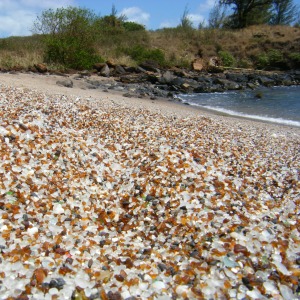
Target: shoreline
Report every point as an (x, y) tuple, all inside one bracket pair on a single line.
[(47, 84)]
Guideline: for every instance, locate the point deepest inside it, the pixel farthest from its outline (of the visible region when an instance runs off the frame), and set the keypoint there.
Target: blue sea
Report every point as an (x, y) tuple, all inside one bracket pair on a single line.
[(277, 105)]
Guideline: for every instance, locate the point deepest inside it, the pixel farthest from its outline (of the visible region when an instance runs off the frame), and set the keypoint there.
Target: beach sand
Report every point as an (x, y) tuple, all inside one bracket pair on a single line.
[(108, 197)]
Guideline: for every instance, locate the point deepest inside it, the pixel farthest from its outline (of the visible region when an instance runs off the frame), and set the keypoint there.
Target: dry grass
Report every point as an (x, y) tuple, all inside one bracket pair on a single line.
[(19, 59), (180, 46), (20, 52), (242, 44)]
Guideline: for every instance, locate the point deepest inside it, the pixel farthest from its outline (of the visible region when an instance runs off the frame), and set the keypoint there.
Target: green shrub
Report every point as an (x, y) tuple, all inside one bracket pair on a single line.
[(295, 59), (132, 26), (227, 59), (70, 53), (273, 59), (262, 61), (69, 37), (140, 54), (244, 63)]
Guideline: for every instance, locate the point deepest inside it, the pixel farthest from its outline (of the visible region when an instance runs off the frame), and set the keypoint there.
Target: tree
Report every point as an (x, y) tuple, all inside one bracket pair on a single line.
[(284, 12), (113, 20), (248, 12), (217, 16), (185, 21), (69, 35)]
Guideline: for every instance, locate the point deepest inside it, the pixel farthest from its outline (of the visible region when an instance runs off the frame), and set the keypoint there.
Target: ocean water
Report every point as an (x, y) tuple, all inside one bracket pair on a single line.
[(277, 105)]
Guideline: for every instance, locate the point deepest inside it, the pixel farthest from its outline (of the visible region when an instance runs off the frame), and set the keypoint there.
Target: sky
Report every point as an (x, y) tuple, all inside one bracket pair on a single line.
[(17, 16)]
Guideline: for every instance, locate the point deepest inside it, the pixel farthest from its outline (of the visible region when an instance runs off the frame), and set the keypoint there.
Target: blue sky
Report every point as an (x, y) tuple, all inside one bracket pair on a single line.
[(17, 16)]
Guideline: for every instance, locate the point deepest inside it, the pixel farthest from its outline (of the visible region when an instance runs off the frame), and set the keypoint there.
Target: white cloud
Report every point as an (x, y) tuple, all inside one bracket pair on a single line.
[(167, 25), (46, 3), (206, 6), (17, 17), (196, 19), (135, 14), (17, 23)]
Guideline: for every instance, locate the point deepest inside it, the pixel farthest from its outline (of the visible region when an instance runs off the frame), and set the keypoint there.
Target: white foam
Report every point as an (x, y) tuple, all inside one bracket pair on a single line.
[(247, 116)]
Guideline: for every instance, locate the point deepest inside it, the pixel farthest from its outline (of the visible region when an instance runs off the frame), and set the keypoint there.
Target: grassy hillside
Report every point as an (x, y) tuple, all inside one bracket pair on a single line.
[(259, 47)]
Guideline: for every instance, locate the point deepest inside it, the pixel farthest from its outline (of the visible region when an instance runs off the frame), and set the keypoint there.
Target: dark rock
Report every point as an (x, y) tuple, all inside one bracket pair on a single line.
[(162, 267), (150, 65), (152, 78), (195, 254), (166, 78), (177, 81), (127, 95), (208, 88), (85, 73), (133, 78), (227, 85), (246, 282), (119, 70), (203, 79), (90, 263), (132, 70), (66, 83), (251, 86), (296, 75), (149, 198), (241, 78), (139, 69), (95, 83), (95, 296), (114, 296), (266, 81), (57, 283), (180, 73)]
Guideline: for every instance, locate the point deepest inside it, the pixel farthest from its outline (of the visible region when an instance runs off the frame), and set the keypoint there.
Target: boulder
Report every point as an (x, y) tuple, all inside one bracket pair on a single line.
[(150, 65), (166, 78), (99, 66), (241, 78), (251, 85), (132, 78), (131, 70), (41, 68), (198, 64), (66, 82), (153, 78), (85, 73), (266, 81), (119, 70), (227, 84), (208, 88), (105, 71)]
